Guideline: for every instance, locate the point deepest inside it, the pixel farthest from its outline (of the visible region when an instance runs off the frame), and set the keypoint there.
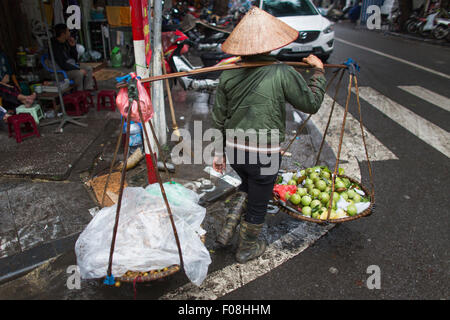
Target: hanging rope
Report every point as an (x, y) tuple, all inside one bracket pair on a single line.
[(329, 118), (304, 122), (364, 139), (340, 146), (119, 140), (132, 91)]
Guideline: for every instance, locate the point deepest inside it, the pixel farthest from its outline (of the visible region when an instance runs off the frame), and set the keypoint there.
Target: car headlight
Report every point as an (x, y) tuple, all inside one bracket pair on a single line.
[(328, 29)]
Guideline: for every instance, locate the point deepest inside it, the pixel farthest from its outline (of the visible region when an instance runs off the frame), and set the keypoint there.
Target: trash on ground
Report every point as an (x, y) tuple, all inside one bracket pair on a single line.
[(98, 185)]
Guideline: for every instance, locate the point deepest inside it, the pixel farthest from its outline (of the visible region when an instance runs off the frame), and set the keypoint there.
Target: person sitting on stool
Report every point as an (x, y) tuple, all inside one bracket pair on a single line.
[(10, 95), (66, 56)]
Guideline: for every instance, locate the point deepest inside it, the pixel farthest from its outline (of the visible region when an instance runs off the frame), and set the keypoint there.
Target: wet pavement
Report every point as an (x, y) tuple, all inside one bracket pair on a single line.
[(42, 219)]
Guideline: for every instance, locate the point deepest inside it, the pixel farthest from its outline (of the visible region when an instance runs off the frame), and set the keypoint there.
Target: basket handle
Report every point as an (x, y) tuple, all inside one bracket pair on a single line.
[(352, 78), (364, 139), (331, 114), (349, 93)]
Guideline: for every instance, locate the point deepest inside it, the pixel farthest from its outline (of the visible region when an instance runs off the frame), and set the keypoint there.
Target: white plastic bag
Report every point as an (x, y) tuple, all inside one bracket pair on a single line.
[(145, 239)]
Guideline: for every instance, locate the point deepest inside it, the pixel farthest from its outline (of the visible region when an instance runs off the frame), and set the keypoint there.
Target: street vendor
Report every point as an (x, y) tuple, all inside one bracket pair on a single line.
[(255, 99)]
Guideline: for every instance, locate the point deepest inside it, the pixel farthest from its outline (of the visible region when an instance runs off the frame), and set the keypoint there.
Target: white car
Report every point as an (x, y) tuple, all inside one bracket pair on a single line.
[(316, 33)]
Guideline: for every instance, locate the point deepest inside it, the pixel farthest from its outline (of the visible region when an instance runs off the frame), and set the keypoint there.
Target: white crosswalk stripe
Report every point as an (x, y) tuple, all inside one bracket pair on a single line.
[(234, 276), (420, 127), (429, 96), (301, 236)]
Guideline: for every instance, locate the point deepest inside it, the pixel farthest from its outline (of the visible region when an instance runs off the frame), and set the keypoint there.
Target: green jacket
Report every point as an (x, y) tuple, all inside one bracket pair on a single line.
[(255, 98)]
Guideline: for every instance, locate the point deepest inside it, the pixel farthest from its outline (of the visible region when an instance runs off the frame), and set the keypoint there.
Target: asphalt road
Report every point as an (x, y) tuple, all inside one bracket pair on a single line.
[(407, 237)]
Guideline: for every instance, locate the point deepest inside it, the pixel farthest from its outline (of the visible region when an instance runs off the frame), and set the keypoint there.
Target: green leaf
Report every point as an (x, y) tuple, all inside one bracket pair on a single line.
[(297, 164)]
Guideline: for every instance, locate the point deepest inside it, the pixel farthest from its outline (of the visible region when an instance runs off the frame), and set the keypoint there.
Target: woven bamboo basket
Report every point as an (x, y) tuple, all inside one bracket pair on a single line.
[(290, 209), (151, 275)]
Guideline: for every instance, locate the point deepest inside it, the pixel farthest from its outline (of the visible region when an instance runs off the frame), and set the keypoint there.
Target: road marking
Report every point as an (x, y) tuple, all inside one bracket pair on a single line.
[(393, 58), (302, 235), (428, 96), (420, 127), (352, 144), (234, 276)]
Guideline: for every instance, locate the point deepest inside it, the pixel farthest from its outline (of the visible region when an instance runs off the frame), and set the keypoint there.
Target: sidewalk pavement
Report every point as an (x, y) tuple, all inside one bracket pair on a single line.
[(41, 219)]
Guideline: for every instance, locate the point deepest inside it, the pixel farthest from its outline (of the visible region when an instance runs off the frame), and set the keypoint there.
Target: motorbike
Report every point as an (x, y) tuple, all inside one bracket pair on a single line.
[(175, 45), (441, 29), (414, 22), (427, 26)]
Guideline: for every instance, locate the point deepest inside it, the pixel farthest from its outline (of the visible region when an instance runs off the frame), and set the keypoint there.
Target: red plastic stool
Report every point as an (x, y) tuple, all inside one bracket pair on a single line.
[(101, 100), (88, 101), (75, 104), (14, 126)]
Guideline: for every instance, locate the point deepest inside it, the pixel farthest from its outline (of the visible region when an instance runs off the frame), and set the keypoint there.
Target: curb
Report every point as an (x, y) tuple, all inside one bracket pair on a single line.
[(18, 265)]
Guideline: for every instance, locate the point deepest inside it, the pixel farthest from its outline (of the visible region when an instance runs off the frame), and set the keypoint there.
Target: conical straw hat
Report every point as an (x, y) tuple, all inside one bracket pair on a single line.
[(258, 32)]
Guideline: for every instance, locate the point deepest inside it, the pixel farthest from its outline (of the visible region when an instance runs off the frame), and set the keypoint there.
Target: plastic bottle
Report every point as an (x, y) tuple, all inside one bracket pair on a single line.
[(135, 136)]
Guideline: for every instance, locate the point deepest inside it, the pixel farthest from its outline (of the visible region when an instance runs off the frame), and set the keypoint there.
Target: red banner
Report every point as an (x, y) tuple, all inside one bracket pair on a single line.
[(145, 14)]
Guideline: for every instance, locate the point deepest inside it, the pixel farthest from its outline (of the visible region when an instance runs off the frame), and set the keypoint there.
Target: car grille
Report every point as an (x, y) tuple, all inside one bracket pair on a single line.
[(307, 36)]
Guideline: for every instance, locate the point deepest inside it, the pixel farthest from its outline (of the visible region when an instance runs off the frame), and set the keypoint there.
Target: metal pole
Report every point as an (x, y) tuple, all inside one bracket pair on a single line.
[(157, 87), (142, 71)]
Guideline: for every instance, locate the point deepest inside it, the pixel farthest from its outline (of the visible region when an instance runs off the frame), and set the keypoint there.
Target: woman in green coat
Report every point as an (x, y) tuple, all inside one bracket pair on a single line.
[(250, 111)]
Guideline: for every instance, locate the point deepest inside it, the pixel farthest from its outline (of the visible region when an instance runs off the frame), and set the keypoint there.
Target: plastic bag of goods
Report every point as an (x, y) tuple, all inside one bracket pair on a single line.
[(122, 103), (145, 238)]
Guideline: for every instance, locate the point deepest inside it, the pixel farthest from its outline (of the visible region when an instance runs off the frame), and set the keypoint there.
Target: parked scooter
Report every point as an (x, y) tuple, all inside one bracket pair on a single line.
[(414, 22), (441, 29), (175, 45), (426, 27)]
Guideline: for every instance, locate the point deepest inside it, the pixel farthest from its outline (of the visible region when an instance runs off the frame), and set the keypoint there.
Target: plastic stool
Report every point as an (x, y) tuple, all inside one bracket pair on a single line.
[(77, 104), (34, 110), (88, 101), (15, 122), (101, 100)]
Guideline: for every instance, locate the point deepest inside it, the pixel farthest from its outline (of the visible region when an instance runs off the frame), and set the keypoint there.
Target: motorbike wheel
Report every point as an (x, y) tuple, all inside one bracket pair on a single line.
[(440, 32), (411, 26), (422, 32)]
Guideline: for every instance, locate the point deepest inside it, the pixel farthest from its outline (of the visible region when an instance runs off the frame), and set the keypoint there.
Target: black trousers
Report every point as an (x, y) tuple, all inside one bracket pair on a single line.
[(258, 173)]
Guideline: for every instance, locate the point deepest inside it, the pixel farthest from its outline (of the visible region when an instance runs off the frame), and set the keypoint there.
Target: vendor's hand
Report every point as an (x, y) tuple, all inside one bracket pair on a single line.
[(219, 164), (84, 72), (313, 61), (71, 41)]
